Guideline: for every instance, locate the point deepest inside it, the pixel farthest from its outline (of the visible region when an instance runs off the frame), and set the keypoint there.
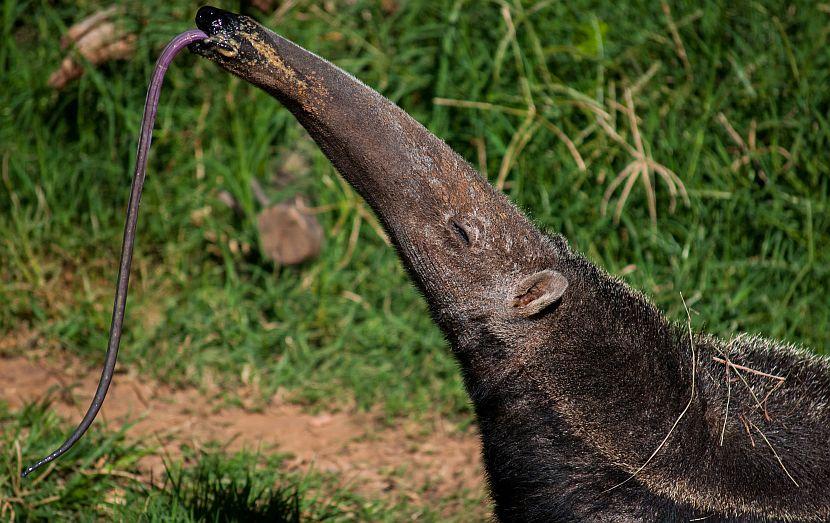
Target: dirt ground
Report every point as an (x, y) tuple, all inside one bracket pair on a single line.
[(378, 461)]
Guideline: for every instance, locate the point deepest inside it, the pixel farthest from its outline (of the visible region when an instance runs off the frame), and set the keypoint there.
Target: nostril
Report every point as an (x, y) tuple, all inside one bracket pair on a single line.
[(461, 232), (204, 16), (212, 20)]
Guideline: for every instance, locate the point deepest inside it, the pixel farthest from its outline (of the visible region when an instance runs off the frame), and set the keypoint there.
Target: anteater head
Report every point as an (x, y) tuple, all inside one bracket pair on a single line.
[(485, 270)]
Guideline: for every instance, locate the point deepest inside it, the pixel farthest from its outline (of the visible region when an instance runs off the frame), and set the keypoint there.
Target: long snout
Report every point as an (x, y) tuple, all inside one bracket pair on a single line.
[(441, 214)]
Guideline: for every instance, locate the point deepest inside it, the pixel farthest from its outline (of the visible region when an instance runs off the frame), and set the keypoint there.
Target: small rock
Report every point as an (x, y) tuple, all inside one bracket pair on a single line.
[(289, 234), (98, 38)]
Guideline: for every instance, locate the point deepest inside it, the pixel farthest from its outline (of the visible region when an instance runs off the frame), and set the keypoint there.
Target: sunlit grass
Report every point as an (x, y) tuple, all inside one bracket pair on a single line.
[(531, 93)]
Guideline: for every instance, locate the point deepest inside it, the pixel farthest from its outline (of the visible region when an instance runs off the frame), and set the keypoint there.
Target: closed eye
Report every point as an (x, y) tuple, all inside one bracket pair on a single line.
[(459, 230)]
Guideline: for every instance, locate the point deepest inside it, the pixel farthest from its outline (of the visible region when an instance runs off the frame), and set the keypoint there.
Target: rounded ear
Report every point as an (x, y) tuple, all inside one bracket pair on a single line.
[(537, 291)]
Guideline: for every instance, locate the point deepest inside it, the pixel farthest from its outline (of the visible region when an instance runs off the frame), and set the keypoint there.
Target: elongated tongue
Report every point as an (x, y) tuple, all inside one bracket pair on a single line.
[(122, 284)]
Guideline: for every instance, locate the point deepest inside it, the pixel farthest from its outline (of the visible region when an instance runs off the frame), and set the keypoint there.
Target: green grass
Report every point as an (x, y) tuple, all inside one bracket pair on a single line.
[(101, 480), (746, 256)]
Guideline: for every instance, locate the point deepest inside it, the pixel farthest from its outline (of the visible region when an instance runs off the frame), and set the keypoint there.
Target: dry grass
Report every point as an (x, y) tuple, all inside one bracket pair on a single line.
[(642, 167), (749, 151), (759, 404)]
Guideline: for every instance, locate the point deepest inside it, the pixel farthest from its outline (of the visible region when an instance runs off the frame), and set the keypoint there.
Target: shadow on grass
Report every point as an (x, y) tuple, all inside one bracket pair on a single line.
[(209, 493)]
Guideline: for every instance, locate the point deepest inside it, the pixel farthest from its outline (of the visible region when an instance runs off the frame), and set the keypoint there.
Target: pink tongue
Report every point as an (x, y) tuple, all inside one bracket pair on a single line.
[(145, 137)]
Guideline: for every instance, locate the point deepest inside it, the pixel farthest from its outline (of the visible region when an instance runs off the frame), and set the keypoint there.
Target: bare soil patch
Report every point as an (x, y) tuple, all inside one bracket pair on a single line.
[(428, 464)]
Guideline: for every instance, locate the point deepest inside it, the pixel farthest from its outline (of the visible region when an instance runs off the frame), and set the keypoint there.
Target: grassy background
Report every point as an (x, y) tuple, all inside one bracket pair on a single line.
[(502, 82)]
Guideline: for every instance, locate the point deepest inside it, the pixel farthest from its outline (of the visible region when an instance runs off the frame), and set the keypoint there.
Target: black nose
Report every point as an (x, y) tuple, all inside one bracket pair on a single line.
[(213, 20)]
